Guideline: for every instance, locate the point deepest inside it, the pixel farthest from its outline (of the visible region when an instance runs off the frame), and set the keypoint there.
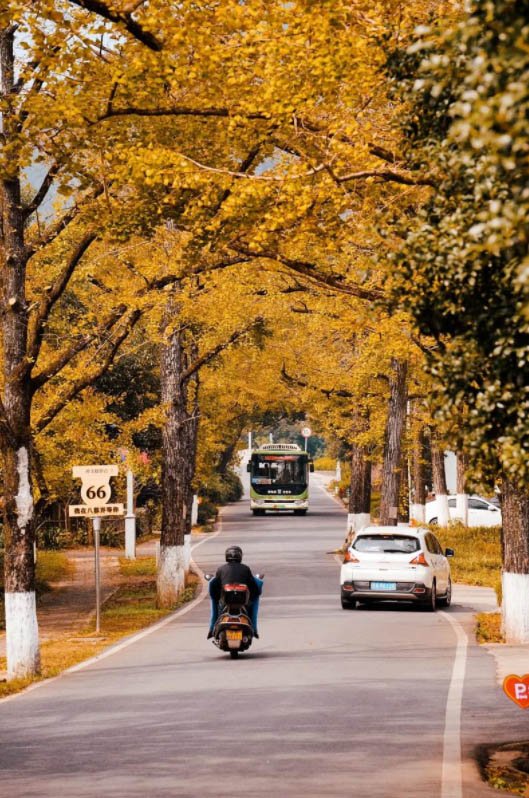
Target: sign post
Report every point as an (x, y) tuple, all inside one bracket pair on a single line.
[(96, 522), (96, 493), (306, 432)]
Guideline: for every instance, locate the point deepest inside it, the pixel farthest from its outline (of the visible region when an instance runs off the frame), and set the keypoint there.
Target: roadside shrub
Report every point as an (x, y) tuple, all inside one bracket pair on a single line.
[(222, 489), (51, 535), (325, 464), (477, 558), (207, 511), (148, 518), (233, 487), (112, 533)]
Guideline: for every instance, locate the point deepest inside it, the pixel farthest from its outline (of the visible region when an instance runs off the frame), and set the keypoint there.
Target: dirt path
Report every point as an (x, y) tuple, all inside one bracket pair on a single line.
[(70, 605)]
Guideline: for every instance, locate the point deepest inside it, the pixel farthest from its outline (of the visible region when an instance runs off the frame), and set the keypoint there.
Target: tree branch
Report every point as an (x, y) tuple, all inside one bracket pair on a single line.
[(89, 377), (179, 110), (384, 154), (126, 19), (289, 380), (169, 279), (65, 357), (55, 291), (311, 272), (42, 191), (388, 176), (69, 216), (207, 357)]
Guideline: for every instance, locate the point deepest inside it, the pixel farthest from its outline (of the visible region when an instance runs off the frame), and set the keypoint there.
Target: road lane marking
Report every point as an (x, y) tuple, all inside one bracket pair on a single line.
[(134, 638), (451, 778)]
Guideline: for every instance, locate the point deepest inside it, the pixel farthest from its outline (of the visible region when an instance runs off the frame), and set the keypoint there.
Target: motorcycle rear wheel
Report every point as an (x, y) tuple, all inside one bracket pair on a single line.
[(234, 653)]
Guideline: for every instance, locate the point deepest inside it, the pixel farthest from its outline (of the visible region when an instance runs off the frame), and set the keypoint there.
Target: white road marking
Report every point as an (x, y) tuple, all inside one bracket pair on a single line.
[(451, 774), (130, 640)]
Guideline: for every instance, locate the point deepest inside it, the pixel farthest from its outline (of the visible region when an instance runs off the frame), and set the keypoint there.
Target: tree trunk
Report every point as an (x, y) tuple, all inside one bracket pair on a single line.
[(439, 483), (191, 429), (359, 515), (171, 570), (515, 577), (462, 495), (418, 503), (15, 434), (392, 465)]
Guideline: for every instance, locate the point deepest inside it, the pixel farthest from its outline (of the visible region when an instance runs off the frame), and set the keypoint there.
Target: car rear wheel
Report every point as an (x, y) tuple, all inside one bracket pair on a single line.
[(433, 521), (258, 512), (300, 512), (447, 600), (431, 603), (348, 604)]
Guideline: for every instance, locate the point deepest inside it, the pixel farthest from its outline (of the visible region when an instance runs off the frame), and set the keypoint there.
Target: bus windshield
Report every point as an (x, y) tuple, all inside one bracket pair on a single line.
[(274, 469)]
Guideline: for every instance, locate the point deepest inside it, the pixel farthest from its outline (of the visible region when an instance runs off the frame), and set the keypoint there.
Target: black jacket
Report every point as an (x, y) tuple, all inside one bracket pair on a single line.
[(236, 572)]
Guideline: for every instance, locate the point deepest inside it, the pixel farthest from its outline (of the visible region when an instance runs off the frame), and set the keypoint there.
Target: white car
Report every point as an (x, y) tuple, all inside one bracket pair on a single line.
[(481, 512), (387, 563)]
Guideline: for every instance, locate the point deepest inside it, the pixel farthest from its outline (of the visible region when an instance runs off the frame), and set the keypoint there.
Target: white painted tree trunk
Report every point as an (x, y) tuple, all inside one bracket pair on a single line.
[(443, 516), (171, 575), (418, 513), (515, 607), (357, 521), (187, 553), (462, 508), (22, 640)]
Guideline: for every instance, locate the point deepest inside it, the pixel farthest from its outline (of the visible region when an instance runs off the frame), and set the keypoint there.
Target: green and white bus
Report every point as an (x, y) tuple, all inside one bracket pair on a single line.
[(279, 478)]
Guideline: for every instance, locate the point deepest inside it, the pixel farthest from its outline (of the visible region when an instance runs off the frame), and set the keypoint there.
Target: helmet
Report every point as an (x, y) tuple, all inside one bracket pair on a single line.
[(233, 554)]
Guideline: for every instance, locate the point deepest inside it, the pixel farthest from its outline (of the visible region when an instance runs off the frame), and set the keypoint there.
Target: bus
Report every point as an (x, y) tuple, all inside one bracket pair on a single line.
[(279, 478)]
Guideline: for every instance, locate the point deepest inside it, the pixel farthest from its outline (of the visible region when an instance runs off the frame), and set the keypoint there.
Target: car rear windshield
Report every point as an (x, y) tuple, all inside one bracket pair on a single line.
[(396, 544)]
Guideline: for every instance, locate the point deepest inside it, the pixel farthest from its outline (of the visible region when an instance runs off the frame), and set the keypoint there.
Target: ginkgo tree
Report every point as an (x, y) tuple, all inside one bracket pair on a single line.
[(461, 270), (135, 122)]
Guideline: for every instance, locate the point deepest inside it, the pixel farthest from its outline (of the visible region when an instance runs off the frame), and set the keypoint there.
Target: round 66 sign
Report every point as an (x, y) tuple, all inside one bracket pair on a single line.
[(95, 488), (306, 432)]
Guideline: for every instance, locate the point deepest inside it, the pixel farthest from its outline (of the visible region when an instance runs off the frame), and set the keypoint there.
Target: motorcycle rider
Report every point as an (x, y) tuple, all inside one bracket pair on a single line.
[(234, 571)]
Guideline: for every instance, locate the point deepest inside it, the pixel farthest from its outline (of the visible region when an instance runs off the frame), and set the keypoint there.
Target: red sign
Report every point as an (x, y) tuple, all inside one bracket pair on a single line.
[(280, 458), (517, 688)]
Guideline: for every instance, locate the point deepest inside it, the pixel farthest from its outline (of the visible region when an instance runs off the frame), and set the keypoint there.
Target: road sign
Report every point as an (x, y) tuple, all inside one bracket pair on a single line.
[(517, 688), (306, 432), (95, 490), (84, 511)]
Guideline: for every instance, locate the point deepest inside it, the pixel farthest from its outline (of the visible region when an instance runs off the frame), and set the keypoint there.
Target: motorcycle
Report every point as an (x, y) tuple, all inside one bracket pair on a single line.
[(233, 631)]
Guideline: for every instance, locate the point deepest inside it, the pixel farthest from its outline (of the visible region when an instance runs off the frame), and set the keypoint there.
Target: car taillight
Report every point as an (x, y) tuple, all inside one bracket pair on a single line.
[(349, 557), (420, 559)]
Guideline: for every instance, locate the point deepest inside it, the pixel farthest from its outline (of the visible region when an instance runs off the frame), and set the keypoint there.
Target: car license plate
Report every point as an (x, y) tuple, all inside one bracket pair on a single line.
[(383, 585), (233, 635)]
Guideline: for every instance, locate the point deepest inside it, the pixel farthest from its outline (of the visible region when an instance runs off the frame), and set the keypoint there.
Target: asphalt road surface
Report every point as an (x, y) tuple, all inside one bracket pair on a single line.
[(327, 703)]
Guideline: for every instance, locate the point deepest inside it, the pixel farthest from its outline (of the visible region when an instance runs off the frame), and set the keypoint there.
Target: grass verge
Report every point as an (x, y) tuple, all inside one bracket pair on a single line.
[(52, 566), (131, 608), (477, 558), (477, 561), (141, 566), (488, 629)]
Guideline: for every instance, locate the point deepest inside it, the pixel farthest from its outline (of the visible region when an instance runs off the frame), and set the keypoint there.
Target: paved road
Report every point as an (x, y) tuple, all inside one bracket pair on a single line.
[(326, 703)]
